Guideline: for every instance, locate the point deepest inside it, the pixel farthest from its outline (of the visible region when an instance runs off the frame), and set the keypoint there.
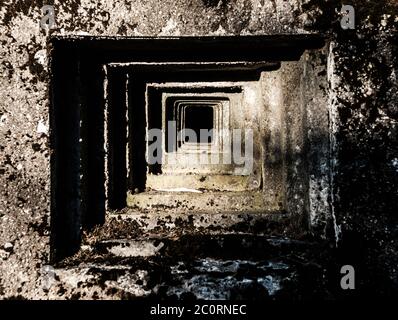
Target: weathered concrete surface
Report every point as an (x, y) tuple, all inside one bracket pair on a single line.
[(206, 201), (362, 93), (196, 267), (363, 79), (166, 222)]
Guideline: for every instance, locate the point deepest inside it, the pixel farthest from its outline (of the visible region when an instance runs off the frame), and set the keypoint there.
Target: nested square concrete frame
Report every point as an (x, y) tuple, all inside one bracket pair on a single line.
[(84, 175), (182, 156)]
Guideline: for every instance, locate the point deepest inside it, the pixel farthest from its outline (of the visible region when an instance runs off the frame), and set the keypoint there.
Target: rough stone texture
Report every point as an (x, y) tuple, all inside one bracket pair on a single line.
[(364, 94), (362, 101), (193, 267)]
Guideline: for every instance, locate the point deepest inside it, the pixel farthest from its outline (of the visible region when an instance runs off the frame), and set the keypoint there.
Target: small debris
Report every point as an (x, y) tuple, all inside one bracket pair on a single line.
[(42, 128), (8, 247)]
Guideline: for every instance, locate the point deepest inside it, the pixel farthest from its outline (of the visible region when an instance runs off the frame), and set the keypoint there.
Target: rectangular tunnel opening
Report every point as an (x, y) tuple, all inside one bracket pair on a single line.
[(107, 94)]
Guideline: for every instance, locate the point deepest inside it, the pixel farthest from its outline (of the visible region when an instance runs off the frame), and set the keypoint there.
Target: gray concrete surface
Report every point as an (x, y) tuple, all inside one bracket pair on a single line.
[(348, 96)]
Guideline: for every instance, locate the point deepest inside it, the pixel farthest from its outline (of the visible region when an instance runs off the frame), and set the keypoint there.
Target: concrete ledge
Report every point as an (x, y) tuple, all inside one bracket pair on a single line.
[(203, 202), (202, 267), (171, 222)]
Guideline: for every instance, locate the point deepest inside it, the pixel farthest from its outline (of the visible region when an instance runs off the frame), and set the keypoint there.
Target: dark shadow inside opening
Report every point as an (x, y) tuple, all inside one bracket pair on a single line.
[(197, 118)]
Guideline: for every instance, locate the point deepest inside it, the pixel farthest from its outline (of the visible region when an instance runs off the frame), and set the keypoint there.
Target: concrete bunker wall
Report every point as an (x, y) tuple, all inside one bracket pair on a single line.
[(361, 114)]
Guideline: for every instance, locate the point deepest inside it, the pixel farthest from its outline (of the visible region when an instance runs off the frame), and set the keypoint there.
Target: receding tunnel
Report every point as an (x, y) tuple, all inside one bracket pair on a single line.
[(102, 105)]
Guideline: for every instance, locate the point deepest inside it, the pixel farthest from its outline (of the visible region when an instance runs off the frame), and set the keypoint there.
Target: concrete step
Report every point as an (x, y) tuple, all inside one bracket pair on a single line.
[(224, 266), (228, 246), (249, 201), (131, 223)]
